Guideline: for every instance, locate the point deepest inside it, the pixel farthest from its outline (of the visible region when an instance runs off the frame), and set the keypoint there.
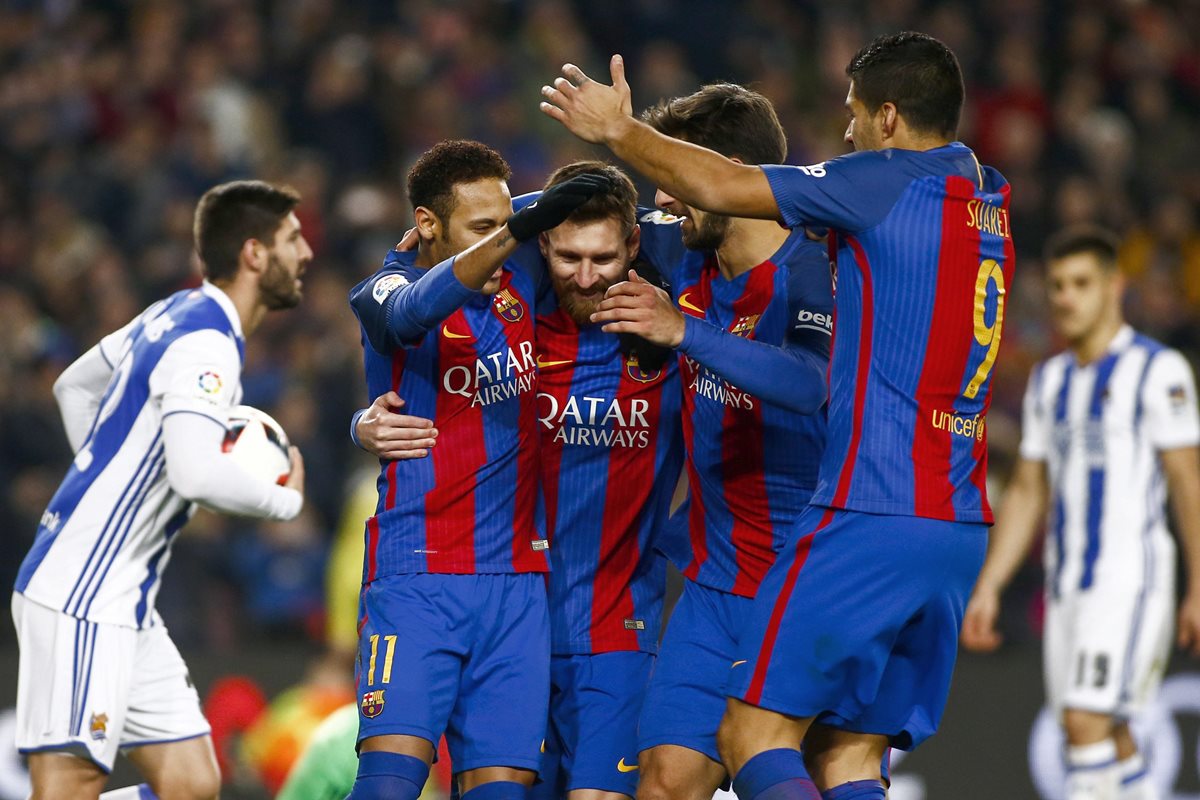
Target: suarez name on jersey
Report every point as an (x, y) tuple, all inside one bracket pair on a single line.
[(472, 505)]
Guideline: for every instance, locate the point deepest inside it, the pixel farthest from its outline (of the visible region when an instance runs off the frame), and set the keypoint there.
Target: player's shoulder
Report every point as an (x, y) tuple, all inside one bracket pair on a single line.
[(1162, 360), (399, 269)]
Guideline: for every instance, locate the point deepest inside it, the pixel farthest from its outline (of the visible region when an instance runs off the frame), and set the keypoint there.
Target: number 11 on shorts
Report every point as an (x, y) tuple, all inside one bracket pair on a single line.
[(390, 641)]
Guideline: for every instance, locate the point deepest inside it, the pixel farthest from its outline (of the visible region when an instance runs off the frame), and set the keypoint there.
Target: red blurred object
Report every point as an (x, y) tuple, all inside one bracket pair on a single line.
[(232, 706)]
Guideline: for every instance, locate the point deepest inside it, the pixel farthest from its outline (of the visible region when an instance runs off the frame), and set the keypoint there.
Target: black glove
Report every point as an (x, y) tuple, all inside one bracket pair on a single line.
[(555, 205)]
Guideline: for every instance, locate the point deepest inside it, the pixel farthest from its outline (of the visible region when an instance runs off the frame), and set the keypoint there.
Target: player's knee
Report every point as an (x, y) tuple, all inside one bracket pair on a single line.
[(1086, 727), (658, 781)]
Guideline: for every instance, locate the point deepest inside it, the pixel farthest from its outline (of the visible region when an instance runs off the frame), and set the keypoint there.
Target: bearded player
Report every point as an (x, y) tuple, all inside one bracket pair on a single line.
[(146, 411)]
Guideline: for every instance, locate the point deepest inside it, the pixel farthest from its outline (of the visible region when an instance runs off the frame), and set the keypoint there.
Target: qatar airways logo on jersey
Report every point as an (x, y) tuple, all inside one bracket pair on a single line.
[(494, 377), (590, 421), (706, 383)]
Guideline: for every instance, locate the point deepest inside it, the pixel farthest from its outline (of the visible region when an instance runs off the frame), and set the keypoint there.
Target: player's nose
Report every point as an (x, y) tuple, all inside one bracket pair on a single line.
[(664, 200)]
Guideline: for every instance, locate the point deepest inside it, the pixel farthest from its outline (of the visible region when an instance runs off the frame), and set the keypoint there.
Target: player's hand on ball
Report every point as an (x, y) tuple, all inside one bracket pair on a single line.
[(1189, 624), (979, 624), (392, 436), (295, 479), (590, 110), (639, 307)]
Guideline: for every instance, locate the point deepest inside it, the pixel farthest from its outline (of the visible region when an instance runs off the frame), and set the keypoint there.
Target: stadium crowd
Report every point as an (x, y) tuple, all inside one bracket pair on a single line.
[(116, 115)]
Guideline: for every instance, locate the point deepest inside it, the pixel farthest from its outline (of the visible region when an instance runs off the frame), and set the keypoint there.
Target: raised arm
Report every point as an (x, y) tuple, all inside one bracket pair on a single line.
[(695, 175)]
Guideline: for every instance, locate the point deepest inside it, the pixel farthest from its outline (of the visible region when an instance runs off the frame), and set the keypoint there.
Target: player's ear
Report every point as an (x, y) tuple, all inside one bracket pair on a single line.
[(544, 245), (634, 242), (889, 119), (428, 224), (253, 255)]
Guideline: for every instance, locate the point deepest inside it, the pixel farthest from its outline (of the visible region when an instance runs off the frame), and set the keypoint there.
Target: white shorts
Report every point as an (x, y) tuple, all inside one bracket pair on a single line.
[(1107, 648), (91, 689)]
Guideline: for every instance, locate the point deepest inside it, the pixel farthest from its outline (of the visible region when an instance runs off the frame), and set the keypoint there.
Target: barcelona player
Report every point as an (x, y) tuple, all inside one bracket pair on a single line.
[(611, 451), (453, 629), (751, 322), (866, 598), (1110, 426)]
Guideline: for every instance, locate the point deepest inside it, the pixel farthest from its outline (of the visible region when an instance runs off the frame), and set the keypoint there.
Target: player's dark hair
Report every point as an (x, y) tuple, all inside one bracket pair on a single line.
[(1092, 240), (733, 120), (229, 214), (432, 179), (917, 73), (618, 202)]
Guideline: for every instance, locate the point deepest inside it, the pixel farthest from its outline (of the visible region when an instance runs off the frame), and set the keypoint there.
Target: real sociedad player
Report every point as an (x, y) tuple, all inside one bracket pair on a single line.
[(611, 453), (1109, 427), (145, 412), (752, 328), (867, 597), (454, 630)]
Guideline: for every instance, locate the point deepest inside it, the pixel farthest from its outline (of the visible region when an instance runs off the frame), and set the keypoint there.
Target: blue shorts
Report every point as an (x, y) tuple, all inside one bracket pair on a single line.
[(591, 742), (857, 622), (467, 655), (686, 696)]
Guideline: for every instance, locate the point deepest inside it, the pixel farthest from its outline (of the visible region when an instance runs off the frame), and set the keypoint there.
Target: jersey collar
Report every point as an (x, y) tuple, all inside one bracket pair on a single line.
[(222, 299)]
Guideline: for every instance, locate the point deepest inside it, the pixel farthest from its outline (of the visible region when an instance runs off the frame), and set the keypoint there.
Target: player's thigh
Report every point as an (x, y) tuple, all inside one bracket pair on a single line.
[(410, 654), (164, 706), (685, 698), (599, 721), (834, 757), (1119, 642), (499, 716), (62, 776), (183, 770), (849, 595), (672, 772), (73, 683)]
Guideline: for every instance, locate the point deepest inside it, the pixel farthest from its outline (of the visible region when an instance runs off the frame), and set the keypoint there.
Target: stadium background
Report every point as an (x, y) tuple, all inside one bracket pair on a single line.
[(115, 116)]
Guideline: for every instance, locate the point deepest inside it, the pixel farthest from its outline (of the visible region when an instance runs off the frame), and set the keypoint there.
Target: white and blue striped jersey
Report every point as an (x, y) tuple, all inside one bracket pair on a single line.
[(106, 536), (1099, 428)]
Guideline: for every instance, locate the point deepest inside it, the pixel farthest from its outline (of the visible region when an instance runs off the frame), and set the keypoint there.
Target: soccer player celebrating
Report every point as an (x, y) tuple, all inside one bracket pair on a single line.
[(753, 337), (1104, 422), (611, 451), (855, 627), (454, 626), (145, 412)]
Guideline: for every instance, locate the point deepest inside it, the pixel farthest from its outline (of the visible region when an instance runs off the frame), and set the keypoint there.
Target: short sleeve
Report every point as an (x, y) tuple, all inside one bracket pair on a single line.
[(849, 194), (1168, 400), (1035, 422), (199, 373)]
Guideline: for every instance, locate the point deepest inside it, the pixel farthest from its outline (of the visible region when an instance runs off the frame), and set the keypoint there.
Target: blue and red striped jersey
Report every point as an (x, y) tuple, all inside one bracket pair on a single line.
[(752, 464), (612, 452), (466, 361), (924, 257)]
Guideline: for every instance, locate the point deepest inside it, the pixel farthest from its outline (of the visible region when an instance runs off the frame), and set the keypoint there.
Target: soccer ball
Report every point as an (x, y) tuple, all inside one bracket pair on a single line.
[(257, 444)]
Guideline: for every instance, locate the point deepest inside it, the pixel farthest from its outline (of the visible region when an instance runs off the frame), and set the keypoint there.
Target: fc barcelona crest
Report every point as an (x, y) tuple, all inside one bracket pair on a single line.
[(634, 370), (744, 326), (372, 703), (508, 307)]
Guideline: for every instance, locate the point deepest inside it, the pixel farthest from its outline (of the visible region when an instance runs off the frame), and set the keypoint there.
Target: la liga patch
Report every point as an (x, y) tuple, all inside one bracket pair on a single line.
[(386, 285)]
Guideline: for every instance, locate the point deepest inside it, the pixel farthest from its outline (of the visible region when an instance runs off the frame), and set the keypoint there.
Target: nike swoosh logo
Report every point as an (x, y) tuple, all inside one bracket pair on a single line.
[(543, 363), (737, 663), (685, 303), (623, 767), (449, 334)]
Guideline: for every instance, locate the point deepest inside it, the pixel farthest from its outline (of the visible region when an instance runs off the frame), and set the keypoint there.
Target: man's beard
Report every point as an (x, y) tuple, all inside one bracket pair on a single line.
[(580, 305), (278, 289), (708, 234)]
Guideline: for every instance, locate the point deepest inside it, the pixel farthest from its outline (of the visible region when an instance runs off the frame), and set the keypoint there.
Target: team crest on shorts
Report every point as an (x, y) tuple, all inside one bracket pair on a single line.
[(634, 370), (99, 726), (372, 703), (508, 307), (744, 326)]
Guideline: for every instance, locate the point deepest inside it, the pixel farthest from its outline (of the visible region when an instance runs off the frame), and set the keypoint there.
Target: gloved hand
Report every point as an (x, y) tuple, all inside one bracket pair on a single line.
[(555, 205)]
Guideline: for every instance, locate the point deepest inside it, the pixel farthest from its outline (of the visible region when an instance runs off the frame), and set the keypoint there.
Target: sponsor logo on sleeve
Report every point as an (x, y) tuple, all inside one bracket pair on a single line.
[(814, 321), (386, 285)]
